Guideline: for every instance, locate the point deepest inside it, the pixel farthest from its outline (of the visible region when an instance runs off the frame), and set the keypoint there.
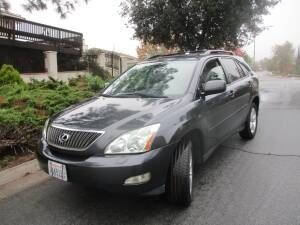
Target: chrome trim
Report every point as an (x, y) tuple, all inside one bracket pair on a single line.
[(73, 129)]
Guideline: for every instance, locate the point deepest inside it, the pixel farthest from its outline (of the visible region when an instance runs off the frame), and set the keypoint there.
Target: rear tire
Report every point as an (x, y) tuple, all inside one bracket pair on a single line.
[(179, 187), (251, 123)]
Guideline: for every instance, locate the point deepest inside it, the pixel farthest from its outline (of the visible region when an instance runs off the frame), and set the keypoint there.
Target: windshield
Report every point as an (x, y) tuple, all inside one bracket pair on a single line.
[(157, 79)]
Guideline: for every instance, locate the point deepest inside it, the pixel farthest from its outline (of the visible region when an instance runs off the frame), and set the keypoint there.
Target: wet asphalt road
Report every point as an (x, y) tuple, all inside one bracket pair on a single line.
[(255, 182)]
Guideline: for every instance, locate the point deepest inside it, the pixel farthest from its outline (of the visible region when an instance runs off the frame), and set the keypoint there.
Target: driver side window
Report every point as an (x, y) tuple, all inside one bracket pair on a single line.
[(213, 71)]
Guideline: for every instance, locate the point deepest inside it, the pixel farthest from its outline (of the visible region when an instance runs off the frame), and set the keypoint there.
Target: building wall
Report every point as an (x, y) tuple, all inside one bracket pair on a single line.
[(120, 62), (33, 61), (62, 76)]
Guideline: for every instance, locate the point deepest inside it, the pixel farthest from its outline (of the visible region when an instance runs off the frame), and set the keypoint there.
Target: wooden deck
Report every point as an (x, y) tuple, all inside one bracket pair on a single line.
[(27, 34)]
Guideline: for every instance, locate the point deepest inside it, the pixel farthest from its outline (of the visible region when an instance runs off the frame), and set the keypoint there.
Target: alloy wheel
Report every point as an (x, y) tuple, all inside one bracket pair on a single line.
[(253, 120)]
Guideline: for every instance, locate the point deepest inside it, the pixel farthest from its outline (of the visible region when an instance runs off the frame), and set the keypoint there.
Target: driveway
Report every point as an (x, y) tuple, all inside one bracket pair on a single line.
[(254, 182)]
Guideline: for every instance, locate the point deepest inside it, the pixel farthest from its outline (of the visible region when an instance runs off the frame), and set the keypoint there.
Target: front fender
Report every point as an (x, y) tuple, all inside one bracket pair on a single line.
[(183, 122)]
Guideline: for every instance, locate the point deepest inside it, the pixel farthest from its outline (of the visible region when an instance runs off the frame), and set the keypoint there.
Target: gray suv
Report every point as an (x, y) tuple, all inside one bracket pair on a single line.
[(145, 132)]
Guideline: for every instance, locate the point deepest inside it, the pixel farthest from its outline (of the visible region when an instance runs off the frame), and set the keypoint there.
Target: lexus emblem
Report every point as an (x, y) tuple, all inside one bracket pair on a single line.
[(64, 138)]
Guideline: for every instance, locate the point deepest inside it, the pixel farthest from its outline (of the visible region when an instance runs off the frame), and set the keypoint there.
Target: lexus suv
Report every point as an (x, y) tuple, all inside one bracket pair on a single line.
[(145, 132)]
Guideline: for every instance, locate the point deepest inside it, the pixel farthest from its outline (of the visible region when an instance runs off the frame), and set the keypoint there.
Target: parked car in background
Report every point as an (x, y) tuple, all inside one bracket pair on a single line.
[(145, 132)]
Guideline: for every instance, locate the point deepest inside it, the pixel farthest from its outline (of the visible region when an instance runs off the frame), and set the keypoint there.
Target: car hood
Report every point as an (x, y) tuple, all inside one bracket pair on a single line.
[(102, 112)]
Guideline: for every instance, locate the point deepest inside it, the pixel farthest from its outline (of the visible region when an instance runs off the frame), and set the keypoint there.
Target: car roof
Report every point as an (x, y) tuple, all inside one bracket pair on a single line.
[(192, 54), (195, 55)]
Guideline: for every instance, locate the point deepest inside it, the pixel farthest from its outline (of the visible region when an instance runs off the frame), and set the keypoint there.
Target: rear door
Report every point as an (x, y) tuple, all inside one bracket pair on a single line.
[(240, 88), (247, 83)]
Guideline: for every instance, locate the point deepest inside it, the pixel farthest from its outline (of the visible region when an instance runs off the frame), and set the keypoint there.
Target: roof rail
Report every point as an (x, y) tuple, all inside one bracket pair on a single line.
[(159, 55), (209, 52), (201, 52)]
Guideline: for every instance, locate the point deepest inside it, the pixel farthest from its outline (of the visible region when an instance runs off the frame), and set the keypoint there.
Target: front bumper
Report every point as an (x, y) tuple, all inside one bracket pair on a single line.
[(110, 172)]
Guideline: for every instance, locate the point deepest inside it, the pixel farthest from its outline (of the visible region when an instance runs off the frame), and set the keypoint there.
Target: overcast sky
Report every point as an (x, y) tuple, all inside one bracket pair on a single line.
[(103, 27)]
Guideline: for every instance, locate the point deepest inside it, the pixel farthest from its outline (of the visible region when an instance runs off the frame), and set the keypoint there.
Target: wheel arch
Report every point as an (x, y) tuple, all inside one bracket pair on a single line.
[(196, 137)]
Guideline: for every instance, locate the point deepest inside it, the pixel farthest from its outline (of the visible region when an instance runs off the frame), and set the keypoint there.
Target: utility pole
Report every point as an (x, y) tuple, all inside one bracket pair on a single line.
[(254, 53)]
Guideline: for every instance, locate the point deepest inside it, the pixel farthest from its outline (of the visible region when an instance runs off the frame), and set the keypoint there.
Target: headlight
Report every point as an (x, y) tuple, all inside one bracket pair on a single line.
[(136, 141), (45, 129)]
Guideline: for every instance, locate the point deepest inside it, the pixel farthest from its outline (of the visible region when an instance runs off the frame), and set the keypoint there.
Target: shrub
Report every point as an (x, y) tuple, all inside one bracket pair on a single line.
[(297, 70), (95, 83), (6, 160), (49, 84), (8, 75), (90, 63), (97, 70), (24, 108)]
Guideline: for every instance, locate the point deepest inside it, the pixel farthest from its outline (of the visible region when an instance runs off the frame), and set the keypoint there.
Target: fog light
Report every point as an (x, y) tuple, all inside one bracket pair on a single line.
[(136, 180)]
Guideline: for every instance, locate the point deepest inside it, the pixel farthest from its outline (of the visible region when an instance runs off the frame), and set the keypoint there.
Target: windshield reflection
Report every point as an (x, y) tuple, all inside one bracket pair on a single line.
[(154, 80)]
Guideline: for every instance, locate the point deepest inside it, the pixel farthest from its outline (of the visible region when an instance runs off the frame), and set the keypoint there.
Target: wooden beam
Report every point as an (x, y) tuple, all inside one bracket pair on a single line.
[(38, 46)]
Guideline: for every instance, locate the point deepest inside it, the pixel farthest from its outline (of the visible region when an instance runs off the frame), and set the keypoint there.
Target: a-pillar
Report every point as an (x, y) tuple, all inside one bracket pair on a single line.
[(51, 63)]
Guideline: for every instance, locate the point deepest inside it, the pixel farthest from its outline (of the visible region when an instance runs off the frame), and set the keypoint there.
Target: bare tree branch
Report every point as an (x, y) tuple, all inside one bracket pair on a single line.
[(62, 7)]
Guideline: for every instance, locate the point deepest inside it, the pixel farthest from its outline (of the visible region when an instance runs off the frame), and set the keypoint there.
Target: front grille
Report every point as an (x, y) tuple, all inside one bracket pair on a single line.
[(71, 139)]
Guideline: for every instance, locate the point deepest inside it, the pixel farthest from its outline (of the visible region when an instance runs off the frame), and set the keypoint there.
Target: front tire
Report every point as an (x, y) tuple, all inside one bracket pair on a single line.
[(179, 188), (251, 123)]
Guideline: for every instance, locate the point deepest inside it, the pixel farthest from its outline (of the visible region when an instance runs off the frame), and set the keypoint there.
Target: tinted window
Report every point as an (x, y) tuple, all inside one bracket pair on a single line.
[(245, 69), (232, 70), (169, 78), (213, 71), (241, 71)]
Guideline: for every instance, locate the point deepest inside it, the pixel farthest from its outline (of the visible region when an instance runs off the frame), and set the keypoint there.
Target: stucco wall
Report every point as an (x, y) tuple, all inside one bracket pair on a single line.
[(63, 76)]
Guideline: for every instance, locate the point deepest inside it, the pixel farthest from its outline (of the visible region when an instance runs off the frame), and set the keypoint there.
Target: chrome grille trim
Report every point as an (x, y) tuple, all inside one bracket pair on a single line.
[(79, 140)]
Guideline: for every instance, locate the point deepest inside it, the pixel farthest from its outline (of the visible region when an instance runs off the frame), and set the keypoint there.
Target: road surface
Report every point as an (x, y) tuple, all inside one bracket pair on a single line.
[(254, 182)]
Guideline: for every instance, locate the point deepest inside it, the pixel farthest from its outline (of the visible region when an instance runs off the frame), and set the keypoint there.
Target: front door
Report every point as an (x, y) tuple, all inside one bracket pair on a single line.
[(218, 107)]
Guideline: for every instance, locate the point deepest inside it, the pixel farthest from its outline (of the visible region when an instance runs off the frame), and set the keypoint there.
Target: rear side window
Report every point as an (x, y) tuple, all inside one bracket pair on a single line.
[(232, 69), (241, 71), (245, 69)]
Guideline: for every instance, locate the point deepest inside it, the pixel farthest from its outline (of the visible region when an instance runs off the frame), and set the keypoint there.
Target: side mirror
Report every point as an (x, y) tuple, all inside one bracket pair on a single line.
[(215, 87)]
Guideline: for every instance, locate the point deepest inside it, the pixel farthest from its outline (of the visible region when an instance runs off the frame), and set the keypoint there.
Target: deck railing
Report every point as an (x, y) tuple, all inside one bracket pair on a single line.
[(27, 31)]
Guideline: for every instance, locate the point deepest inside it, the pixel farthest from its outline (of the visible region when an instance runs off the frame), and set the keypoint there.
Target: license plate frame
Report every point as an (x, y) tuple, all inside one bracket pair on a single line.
[(57, 170)]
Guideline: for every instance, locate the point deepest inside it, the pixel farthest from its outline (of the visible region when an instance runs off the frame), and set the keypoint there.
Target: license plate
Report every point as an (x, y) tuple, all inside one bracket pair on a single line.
[(57, 170)]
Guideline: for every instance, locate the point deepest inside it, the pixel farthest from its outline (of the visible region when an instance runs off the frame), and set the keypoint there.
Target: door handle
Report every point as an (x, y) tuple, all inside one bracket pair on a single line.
[(231, 93), (250, 83)]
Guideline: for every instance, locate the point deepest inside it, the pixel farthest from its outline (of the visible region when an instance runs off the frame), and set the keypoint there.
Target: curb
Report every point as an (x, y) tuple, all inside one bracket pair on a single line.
[(17, 172)]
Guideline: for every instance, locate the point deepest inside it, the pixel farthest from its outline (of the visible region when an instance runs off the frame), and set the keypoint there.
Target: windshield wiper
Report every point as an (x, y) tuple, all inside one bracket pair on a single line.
[(140, 94), (106, 95)]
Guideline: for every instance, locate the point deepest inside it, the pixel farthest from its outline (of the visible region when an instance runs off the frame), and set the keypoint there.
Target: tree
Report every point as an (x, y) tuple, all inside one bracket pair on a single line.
[(4, 5), (242, 53), (267, 64), (248, 59), (284, 58), (196, 24), (62, 7), (297, 67), (282, 61), (146, 50)]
